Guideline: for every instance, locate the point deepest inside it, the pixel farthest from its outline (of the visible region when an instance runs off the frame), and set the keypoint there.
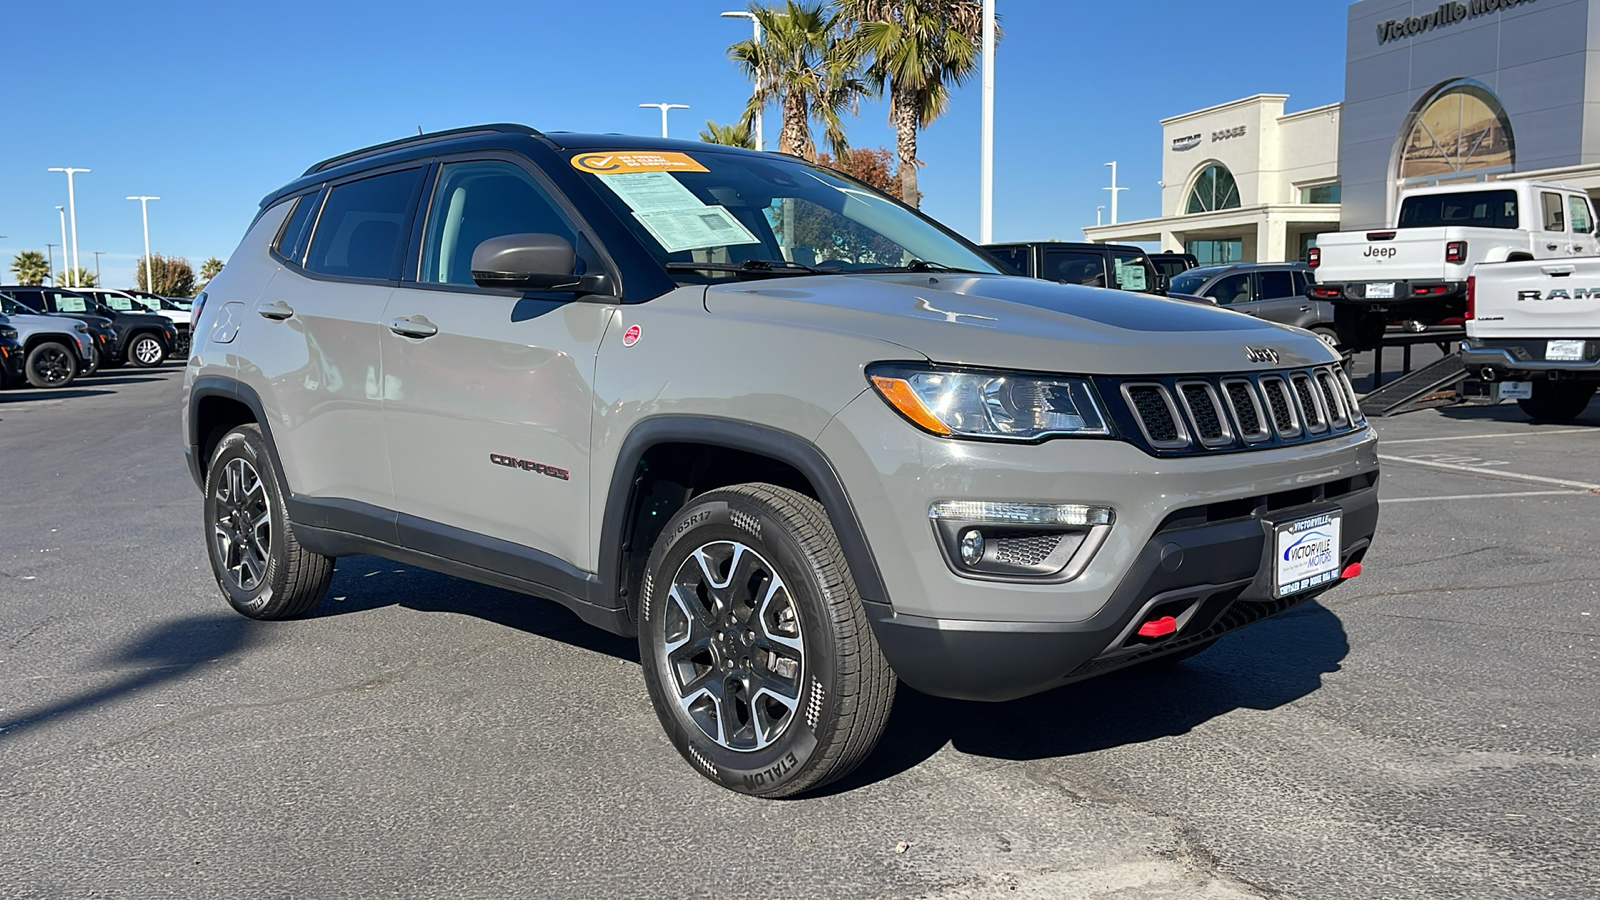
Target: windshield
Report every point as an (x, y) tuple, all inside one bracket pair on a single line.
[(768, 214), (11, 307), (1476, 209)]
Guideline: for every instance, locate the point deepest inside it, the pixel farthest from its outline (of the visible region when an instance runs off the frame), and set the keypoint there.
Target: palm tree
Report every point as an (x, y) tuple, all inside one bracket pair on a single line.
[(29, 267), (79, 277), (735, 135), (209, 268), (805, 65), (919, 49)]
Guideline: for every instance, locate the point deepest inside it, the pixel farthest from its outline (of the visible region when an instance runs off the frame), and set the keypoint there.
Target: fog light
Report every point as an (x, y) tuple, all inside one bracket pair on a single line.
[(972, 547)]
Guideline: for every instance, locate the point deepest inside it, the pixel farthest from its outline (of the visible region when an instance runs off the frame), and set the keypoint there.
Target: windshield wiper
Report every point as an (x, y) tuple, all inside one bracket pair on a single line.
[(917, 265), (752, 268)]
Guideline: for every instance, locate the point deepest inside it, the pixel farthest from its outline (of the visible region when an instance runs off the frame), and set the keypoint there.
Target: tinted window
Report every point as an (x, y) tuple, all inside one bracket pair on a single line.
[(476, 201), (61, 301), (1478, 209), (1581, 221), (1554, 216), (1277, 284), (1074, 267), (1131, 271), (291, 240), (361, 232), (118, 303), (1230, 289), (1302, 279), (1015, 257), (1188, 282)]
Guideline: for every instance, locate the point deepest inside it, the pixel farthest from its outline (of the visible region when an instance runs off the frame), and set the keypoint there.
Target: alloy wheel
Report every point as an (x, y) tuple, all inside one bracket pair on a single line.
[(147, 350), (54, 365), (243, 529), (734, 647)]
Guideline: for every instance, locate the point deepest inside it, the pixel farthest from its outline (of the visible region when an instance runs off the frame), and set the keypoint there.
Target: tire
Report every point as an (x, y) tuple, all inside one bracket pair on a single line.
[(1558, 401), (1327, 334), (95, 360), (180, 346), (146, 351), (244, 507), (50, 365), (1414, 326), (816, 676)]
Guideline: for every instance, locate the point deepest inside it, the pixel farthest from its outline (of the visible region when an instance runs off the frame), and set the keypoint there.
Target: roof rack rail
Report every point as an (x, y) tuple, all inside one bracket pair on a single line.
[(430, 137)]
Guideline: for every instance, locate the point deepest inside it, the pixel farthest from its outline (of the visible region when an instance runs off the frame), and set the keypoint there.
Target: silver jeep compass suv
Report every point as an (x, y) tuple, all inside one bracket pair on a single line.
[(798, 438)]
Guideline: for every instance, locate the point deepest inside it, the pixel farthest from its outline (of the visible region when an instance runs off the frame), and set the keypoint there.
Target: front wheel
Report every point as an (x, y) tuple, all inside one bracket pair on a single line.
[(756, 649), (1558, 401), (263, 571), (50, 365), (147, 351)]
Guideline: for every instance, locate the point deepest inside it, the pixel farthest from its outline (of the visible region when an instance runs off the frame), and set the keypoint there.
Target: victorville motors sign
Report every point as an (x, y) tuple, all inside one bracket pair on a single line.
[(1446, 14)]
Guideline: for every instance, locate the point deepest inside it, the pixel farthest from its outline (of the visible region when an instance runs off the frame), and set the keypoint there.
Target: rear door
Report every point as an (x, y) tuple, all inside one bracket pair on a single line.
[(1277, 300), (1132, 271), (488, 394), (1580, 222), (1552, 239)]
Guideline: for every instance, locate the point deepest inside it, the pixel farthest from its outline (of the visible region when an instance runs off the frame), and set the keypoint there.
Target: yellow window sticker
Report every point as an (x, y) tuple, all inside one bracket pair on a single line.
[(635, 161)]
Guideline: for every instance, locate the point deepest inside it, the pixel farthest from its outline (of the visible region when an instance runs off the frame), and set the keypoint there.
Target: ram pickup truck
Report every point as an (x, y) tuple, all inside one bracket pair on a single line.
[(1533, 331), (1417, 269)]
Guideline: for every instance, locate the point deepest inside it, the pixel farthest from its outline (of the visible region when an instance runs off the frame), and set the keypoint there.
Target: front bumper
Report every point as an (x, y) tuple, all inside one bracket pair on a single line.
[(11, 366), (959, 636), (1506, 356), (1216, 577)]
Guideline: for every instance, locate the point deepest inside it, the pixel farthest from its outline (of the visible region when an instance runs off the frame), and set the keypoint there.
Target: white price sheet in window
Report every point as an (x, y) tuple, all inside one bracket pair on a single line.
[(674, 215)]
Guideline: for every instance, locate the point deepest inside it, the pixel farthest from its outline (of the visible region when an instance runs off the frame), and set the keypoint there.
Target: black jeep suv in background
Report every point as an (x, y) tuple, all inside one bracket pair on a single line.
[(144, 339)]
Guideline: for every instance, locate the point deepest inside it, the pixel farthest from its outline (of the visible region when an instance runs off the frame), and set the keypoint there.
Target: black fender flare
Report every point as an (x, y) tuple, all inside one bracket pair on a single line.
[(229, 389), (782, 446)]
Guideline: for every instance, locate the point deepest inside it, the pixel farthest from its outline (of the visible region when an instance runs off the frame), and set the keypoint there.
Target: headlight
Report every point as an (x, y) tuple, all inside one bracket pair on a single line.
[(990, 404), (81, 328), (8, 334)]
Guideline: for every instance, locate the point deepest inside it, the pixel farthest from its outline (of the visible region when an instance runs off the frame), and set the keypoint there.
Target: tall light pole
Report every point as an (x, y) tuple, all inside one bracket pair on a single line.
[(1098, 212), (97, 255), (986, 131), (62, 212), (760, 143), (663, 107), (1114, 191), (149, 273), (72, 212)]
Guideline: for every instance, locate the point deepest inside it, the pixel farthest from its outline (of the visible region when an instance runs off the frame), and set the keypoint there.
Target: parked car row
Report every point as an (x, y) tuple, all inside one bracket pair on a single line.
[(60, 334)]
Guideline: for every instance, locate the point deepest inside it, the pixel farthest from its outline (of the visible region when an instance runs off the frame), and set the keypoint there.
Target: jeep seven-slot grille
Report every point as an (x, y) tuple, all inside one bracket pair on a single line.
[(1244, 411)]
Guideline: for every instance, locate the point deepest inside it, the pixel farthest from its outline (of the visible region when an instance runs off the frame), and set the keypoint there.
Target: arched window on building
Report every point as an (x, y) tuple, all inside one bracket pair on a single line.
[(1457, 131), (1214, 189)]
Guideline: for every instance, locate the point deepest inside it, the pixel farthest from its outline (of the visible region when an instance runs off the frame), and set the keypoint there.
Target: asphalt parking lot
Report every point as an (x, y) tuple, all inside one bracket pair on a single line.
[(1428, 730)]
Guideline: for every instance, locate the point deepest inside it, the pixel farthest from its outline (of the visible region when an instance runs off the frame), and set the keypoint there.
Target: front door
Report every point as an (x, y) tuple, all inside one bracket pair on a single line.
[(1278, 301), (1580, 221), (488, 393), (1553, 239)]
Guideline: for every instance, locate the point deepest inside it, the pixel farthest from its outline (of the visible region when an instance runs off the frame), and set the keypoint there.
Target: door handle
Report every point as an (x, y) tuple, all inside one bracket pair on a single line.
[(1550, 246), (1305, 309), (413, 326), (277, 310)]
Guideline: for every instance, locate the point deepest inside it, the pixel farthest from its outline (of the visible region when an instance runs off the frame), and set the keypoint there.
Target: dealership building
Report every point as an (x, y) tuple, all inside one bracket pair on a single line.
[(1435, 93)]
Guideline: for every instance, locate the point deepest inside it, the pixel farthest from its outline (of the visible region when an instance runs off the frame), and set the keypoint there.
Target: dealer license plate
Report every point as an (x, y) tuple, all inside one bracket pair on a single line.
[(1308, 554), (1380, 290), (1515, 390), (1563, 351)]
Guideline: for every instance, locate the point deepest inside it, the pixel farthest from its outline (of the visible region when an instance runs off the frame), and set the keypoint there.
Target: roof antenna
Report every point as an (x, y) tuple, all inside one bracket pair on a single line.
[(419, 129)]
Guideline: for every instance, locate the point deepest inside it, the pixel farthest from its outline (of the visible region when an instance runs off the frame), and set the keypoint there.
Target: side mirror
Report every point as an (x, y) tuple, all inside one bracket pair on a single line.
[(538, 262)]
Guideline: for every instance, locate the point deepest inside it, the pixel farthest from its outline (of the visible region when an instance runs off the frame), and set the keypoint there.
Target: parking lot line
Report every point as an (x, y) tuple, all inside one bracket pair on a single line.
[(1481, 437), (1388, 500), (1491, 473), (1488, 436)]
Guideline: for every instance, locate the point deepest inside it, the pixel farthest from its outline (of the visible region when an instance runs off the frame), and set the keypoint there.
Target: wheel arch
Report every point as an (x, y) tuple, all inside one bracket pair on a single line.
[(217, 405), (666, 461)]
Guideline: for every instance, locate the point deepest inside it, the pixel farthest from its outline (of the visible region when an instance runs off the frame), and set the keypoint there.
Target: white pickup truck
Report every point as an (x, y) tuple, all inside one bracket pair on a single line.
[(1533, 331), (1417, 270)]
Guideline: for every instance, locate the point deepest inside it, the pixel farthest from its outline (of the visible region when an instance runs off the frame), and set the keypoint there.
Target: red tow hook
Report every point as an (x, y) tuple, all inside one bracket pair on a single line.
[(1158, 627), (1351, 571)]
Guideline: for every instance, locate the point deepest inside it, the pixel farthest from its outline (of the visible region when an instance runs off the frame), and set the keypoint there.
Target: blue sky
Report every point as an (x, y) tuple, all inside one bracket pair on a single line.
[(212, 105)]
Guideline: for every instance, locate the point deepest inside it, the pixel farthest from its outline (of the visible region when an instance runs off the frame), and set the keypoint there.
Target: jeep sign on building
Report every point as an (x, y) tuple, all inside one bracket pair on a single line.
[(1467, 90)]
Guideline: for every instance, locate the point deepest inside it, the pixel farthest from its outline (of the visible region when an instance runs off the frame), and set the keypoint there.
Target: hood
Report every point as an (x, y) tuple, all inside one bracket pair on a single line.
[(1021, 323)]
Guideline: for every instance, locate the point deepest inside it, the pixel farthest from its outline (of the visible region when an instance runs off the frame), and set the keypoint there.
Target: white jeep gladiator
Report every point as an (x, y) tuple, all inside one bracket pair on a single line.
[(1417, 270), (1533, 331)]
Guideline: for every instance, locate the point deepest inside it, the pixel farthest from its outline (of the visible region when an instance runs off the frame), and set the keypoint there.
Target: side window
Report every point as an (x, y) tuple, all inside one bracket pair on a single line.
[(73, 303), (1552, 212), (1582, 222), (1015, 257), (291, 240), (1302, 281), (362, 230), (476, 201), (1132, 271), (117, 302), (1230, 289), (1277, 284), (1074, 267)]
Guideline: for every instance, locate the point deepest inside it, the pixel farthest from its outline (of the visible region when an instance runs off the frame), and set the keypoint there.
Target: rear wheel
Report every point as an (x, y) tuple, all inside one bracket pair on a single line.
[(147, 351), (1558, 401), (760, 662), (1327, 335), (50, 365), (263, 571)]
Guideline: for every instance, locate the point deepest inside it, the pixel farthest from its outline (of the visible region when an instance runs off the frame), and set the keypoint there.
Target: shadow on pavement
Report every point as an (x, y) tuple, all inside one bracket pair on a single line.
[(1510, 412), (371, 582), (102, 378), (161, 654), (1264, 666), (47, 394)]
